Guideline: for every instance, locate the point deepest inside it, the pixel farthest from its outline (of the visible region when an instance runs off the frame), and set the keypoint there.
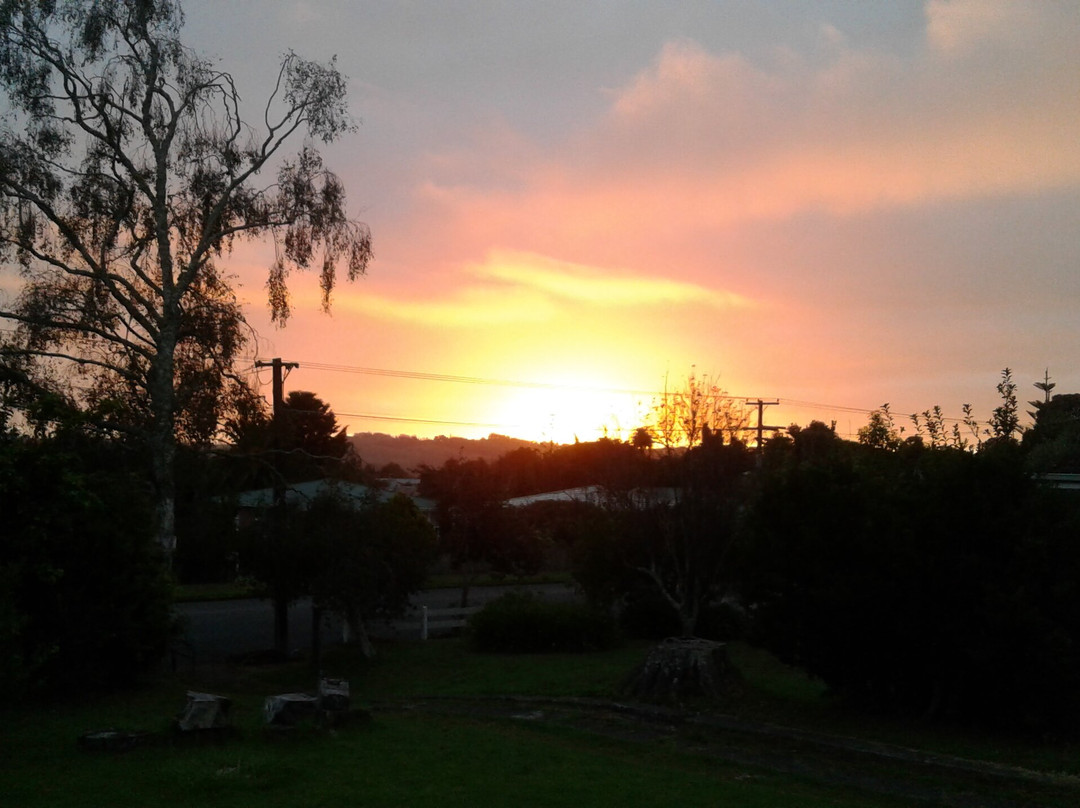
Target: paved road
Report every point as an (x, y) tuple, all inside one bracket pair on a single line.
[(213, 631)]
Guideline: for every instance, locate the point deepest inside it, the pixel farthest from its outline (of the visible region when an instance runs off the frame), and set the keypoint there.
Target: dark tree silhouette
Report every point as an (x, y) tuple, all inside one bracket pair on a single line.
[(84, 601), (1005, 421), (372, 559), (307, 441), (126, 175), (930, 581), (1053, 442), (880, 431), (666, 552), (643, 439), (682, 416)]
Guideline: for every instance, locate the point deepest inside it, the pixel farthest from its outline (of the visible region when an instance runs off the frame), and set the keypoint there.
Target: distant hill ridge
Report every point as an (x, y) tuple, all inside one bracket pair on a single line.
[(409, 452)]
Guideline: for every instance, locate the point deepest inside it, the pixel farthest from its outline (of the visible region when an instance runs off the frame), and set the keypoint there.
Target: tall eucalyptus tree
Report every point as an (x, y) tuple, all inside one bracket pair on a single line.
[(126, 175)]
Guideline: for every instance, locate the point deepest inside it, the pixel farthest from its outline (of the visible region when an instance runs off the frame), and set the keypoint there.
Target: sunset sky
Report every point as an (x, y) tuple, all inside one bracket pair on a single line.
[(834, 204)]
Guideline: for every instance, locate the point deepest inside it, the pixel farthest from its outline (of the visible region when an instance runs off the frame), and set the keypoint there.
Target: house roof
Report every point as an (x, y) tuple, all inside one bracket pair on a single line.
[(598, 495), (591, 494), (302, 494), (1058, 480)]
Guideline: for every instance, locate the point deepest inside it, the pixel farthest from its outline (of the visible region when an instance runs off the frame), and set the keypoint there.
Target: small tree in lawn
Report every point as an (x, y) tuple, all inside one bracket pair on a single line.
[(682, 552), (372, 559), (673, 546), (685, 548), (126, 175)]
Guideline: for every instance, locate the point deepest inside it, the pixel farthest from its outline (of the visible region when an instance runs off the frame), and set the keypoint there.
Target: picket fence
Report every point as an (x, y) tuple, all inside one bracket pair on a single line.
[(451, 617)]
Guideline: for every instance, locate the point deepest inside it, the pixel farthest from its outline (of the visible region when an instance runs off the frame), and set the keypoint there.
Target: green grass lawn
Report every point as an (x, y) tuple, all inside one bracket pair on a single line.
[(417, 757), (402, 761), (396, 760)]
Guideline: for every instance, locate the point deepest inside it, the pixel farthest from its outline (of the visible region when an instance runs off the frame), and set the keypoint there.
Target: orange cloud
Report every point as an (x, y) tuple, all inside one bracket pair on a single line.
[(470, 308), (514, 288), (580, 283)]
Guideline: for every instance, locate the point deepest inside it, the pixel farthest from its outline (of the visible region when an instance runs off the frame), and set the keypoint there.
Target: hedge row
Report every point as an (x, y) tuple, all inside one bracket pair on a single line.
[(522, 622)]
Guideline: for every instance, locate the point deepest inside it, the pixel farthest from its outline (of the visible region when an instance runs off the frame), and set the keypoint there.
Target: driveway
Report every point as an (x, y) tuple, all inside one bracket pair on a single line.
[(212, 631)]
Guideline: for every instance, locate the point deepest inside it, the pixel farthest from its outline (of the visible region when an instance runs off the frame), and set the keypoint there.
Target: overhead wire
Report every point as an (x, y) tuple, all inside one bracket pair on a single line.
[(372, 417), (529, 385), (446, 377)]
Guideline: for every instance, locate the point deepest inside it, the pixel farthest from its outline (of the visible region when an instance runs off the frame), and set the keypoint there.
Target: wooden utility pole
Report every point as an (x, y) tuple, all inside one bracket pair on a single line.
[(278, 367), (281, 607), (281, 610), (761, 405)]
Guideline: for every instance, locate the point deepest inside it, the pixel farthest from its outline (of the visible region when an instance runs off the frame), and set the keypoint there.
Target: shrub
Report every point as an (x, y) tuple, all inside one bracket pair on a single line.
[(84, 597), (523, 623), (924, 582)]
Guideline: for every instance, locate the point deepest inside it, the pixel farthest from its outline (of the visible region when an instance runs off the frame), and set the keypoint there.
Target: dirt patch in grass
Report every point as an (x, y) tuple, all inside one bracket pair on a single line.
[(884, 769)]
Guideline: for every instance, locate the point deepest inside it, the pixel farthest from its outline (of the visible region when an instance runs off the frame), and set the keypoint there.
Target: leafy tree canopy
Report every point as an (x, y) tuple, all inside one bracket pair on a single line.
[(1054, 441), (126, 176), (84, 603)]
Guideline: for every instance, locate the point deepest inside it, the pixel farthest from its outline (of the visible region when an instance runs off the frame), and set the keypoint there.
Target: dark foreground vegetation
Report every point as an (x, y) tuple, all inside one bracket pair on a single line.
[(934, 576), (901, 619), (448, 725), (918, 578)]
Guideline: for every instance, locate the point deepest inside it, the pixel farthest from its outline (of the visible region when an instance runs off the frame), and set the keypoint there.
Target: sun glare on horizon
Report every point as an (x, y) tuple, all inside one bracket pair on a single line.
[(565, 414)]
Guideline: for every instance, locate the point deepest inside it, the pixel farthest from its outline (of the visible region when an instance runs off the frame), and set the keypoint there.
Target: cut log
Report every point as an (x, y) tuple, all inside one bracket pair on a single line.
[(680, 667), (112, 740), (289, 709), (204, 711), (333, 695)]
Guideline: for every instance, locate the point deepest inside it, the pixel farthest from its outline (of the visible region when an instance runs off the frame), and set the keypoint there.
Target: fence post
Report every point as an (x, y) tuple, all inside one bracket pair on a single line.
[(423, 622)]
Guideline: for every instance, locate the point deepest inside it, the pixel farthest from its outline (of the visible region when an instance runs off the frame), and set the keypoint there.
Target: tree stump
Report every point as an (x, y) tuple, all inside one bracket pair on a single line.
[(680, 667), (112, 740), (204, 711), (333, 695), (289, 709)]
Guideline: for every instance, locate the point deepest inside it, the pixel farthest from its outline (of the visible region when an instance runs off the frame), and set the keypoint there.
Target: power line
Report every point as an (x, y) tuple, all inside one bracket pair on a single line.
[(446, 377), (372, 417), (494, 382), (863, 411), (531, 385), (810, 405)]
